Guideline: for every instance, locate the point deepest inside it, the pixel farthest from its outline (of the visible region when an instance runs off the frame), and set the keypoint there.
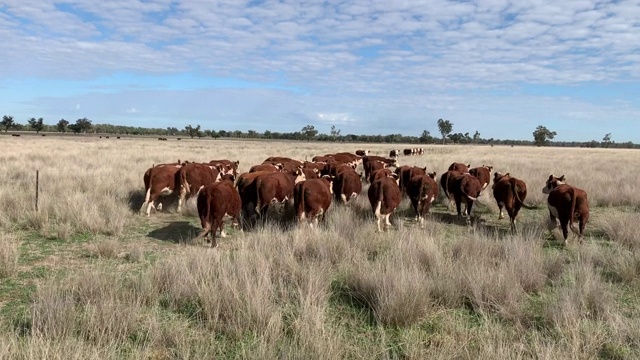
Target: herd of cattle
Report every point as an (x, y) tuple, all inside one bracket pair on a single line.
[(312, 185)]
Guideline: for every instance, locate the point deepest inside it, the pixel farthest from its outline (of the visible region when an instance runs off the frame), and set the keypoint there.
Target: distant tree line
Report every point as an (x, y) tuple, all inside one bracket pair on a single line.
[(541, 135)]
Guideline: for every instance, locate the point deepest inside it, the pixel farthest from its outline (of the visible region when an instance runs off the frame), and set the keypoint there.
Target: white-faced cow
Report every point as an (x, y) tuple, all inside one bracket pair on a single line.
[(312, 199), (422, 191), (565, 203), (483, 173), (215, 201), (465, 189), (510, 194), (159, 180), (384, 197)]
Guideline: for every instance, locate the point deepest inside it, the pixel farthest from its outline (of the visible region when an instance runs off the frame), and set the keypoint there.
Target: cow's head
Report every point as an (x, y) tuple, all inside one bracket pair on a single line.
[(329, 179), (228, 177), (552, 183), (299, 174), (488, 167), (431, 174)]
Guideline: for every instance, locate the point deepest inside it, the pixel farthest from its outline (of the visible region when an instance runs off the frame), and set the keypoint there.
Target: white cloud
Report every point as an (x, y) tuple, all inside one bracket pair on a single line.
[(421, 52), (133, 111)]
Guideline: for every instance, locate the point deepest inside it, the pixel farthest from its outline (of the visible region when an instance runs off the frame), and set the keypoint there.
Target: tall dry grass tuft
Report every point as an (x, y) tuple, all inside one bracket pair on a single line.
[(9, 255), (92, 306)]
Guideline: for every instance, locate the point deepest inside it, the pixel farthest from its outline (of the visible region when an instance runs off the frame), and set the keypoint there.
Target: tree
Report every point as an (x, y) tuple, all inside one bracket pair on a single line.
[(542, 135), (62, 125), (7, 122), (309, 132), (81, 126), (426, 137), (334, 133), (36, 125), (606, 140), (445, 127), (476, 137), (192, 131)]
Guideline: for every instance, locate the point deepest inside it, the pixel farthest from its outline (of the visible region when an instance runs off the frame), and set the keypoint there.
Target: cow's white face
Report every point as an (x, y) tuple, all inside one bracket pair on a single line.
[(552, 183), (300, 177)]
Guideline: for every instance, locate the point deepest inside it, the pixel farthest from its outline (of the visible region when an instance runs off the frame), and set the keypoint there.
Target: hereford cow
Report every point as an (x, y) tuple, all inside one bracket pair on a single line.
[(406, 172), (422, 191), (371, 166), (226, 166), (311, 173), (408, 152), (347, 186), (275, 187), (215, 201), (465, 189), (247, 190), (159, 181), (266, 167), (483, 173), (459, 167), (283, 160), (390, 162), (446, 181), (394, 153), (509, 193), (379, 174), (362, 152), (566, 202), (384, 197), (193, 177), (312, 199)]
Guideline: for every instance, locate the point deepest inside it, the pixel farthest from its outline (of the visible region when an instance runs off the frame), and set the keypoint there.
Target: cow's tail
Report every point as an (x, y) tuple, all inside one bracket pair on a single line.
[(379, 201), (298, 193), (514, 189), (572, 191), (184, 182), (465, 194), (258, 183), (147, 197)]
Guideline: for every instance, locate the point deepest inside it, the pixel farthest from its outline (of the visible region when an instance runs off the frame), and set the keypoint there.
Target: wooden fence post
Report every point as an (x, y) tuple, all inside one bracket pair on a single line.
[(37, 187)]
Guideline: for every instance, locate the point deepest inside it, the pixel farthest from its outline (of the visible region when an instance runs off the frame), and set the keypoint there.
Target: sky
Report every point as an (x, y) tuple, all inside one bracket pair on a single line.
[(498, 67)]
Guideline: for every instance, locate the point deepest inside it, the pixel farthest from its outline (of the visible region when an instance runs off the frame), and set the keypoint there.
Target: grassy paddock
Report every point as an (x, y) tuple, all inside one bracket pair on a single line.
[(88, 277)]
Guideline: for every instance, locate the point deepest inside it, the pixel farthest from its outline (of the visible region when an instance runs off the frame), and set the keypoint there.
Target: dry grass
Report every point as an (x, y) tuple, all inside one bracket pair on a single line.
[(341, 291), (8, 255)]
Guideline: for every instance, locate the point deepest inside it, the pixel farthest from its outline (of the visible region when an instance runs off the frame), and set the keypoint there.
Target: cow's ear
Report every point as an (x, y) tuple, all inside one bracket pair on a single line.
[(507, 174), (468, 165), (550, 177), (561, 178), (237, 162)]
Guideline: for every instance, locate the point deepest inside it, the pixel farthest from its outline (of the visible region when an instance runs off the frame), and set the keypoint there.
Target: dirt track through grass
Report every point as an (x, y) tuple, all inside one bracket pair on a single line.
[(87, 277)]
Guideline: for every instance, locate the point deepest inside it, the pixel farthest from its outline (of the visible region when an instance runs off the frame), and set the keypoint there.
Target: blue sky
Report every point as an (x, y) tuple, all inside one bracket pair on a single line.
[(368, 67)]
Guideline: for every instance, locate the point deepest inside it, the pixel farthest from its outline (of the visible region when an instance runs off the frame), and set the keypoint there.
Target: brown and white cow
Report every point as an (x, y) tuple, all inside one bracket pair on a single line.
[(483, 173), (347, 186), (311, 173), (406, 172), (265, 167), (275, 187), (510, 194), (247, 190), (193, 177), (446, 181), (384, 196), (381, 173), (408, 152), (566, 202), (371, 166), (465, 189), (312, 199), (159, 180), (422, 191), (215, 201), (362, 152), (226, 166), (459, 167), (394, 153)]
